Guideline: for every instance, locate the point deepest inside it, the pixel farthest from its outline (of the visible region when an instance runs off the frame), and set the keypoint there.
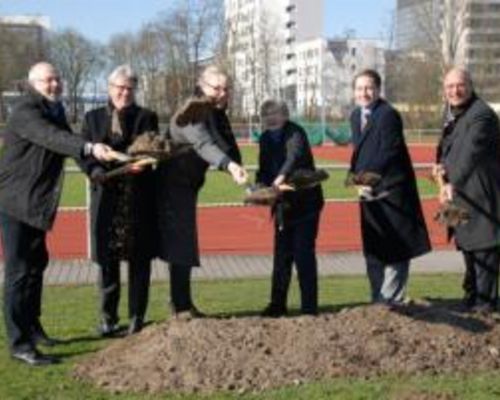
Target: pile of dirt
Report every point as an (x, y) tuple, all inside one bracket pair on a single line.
[(252, 354)]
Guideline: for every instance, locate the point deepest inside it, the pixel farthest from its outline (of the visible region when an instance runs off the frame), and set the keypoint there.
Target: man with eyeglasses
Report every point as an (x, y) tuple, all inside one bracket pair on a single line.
[(37, 139), (203, 126), (468, 160), (122, 209)]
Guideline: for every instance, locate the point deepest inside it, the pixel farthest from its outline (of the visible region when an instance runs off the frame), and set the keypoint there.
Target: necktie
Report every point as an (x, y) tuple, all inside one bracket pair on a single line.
[(116, 128), (365, 114)]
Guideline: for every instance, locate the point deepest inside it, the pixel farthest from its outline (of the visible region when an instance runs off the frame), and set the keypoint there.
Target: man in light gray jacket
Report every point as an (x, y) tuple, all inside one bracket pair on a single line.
[(201, 125)]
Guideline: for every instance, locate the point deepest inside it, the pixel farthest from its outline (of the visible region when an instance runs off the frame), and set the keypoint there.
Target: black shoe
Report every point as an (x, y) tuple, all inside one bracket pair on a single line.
[(483, 309), (108, 329), (274, 311), (136, 325), (40, 337), (468, 301), (46, 341), (34, 358), (188, 313)]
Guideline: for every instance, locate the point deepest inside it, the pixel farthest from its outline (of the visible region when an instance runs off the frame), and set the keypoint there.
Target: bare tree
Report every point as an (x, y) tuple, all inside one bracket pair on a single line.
[(121, 49), (20, 47), (254, 56), (453, 31), (441, 30), (78, 60), (148, 53), (171, 49)]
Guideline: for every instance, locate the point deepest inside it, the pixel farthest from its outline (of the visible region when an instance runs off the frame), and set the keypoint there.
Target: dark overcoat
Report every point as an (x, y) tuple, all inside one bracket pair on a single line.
[(134, 121), (211, 142), (37, 139), (471, 158), (393, 227), (290, 154)]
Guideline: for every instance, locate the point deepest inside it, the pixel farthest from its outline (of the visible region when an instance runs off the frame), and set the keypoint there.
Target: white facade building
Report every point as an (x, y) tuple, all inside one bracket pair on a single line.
[(279, 50), (326, 69), (262, 36)]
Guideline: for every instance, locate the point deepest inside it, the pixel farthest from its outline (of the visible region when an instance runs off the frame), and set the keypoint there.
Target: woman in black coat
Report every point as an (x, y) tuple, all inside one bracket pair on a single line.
[(392, 222), (284, 149), (123, 209)]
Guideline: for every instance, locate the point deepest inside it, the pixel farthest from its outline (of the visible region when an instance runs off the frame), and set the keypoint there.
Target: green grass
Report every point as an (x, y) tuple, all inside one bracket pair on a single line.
[(70, 313), (220, 188)]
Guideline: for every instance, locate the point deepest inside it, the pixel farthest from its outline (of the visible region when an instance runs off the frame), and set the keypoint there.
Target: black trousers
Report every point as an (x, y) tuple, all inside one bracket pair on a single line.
[(296, 242), (481, 277), (139, 275), (180, 287), (26, 257)]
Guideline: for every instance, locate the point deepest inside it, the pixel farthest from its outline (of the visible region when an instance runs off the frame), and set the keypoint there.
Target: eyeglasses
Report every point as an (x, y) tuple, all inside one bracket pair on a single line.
[(123, 88), (50, 79), (217, 88)]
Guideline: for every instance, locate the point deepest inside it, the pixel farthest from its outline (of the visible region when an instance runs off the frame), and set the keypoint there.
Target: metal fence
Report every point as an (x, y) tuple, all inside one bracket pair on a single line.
[(330, 133)]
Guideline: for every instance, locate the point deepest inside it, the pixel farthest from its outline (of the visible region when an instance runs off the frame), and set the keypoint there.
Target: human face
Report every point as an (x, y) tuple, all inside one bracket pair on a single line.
[(121, 92), (273, 119), (48, 83), (365, 91), (457, 89), (216, 88)]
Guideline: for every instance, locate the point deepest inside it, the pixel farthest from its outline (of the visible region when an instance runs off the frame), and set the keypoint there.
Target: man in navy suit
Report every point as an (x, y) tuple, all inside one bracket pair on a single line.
[(392, 222)]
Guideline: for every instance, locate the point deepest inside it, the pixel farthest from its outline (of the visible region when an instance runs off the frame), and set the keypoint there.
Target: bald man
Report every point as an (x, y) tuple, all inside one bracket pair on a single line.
[(468, 157), (37, 139)]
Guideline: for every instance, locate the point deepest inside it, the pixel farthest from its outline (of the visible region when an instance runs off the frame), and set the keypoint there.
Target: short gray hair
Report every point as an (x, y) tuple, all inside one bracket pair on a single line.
[(272, 105), (211, 70), (124, 71), (462, 71), (35, 70)]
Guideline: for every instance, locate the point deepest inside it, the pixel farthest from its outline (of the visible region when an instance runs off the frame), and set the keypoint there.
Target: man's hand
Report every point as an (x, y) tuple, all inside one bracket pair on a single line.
[(102, 152), (239, 174), (446, 193), (280, 179), (364, 191), (438, 172)]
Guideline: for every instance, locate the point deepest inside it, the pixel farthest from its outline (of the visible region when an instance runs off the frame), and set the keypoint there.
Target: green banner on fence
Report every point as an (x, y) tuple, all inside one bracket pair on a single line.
[(319, 133)]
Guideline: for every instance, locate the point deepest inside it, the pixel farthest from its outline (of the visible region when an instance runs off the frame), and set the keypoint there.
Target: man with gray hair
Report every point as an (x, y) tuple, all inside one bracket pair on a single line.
[(468, 159), (37, 139), (122, 210), (203, 126)]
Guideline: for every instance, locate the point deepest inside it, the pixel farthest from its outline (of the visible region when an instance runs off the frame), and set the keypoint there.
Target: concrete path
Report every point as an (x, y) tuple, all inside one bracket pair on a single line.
[(241, 266)]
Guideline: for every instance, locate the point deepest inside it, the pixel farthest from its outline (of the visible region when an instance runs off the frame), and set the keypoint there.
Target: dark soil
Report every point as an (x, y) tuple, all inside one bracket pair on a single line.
[(253, 354)]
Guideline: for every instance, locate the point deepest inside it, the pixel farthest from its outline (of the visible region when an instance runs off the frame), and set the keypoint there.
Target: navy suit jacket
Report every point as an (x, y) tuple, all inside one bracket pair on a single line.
[(393, 228)]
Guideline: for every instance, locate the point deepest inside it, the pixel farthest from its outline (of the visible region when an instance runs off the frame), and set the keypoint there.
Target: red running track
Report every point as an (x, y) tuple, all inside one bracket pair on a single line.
[(241, 230), (248, 230), (420, 153)]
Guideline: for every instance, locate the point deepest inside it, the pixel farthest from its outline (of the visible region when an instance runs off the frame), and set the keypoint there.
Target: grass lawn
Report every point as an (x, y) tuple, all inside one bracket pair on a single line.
[(70, 313), (219, 187)]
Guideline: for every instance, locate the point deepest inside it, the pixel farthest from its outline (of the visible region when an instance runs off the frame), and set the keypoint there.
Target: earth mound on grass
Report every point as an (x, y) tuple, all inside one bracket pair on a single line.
[(252, 354)]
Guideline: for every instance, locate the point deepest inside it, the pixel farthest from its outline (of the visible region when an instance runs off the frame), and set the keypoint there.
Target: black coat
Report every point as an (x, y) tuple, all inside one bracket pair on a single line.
[(393, 228), (96, 127), (471, 158), (290, 153), (180, 180), (31, 167)]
